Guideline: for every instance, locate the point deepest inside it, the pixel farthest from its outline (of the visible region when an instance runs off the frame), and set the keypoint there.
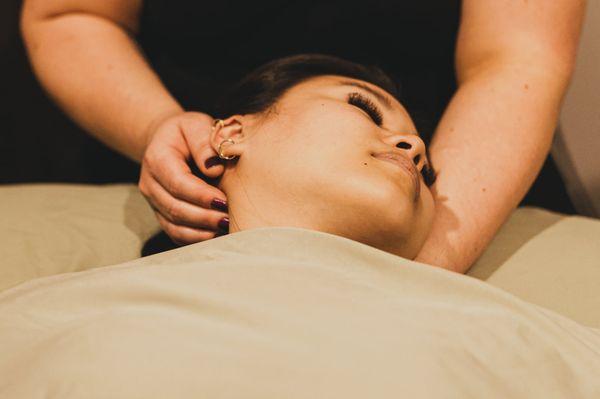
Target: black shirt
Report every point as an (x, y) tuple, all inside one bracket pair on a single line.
[(199, 48)]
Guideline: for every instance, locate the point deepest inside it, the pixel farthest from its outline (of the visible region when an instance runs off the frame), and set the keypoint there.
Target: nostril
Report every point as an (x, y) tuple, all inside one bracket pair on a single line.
[(417, 158), (403, 145)]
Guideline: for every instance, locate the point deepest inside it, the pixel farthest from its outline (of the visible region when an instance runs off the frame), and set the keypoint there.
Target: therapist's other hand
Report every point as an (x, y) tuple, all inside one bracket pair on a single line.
[(188, 209)]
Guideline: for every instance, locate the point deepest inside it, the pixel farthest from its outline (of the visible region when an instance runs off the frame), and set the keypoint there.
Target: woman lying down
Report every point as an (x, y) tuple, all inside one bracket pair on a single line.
[(327, 304)]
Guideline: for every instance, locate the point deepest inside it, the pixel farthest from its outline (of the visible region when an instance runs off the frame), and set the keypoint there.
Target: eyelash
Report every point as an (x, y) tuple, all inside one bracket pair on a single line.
[(366, 105)]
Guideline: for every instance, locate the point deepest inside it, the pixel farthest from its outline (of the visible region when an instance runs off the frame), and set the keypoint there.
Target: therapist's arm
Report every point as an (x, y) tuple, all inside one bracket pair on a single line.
[(85, 55), (514, 61)]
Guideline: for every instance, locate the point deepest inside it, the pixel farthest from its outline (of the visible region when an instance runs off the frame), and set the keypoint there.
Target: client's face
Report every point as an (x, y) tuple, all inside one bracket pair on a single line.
[(333, 157)]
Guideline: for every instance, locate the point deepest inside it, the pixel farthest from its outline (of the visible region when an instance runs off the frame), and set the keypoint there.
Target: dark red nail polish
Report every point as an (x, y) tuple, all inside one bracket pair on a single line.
[(212, 161), (219, 205), (224, 224)]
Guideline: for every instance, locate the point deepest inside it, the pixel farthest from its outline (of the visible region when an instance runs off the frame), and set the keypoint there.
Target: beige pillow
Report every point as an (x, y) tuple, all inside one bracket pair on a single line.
[(547, 258), (57, 228)]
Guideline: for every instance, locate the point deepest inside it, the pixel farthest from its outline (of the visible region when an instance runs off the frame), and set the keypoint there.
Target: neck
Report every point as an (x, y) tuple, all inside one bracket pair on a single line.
[(251, 206), (264, 212)]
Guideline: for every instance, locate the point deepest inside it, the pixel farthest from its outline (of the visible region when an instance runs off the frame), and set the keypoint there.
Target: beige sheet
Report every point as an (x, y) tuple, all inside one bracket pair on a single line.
[(546, 258), (285, 313)]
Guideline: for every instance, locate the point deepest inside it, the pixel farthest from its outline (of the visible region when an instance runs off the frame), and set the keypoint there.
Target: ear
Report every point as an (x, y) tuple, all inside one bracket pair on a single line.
[(231, 128)]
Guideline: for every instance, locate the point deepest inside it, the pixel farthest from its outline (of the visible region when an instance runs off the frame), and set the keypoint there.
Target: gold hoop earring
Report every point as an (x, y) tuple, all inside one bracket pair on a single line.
[(221, 150)]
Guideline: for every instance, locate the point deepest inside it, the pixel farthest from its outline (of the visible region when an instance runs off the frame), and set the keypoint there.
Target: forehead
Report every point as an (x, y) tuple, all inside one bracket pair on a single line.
[(396, 117)]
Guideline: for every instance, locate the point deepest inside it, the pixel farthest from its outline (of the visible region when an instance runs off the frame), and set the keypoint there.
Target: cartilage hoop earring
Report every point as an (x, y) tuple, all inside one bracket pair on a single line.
[(216, 122)]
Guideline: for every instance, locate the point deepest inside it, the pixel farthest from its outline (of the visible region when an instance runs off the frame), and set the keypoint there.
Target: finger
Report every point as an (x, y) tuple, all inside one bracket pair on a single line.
[(183, 213), (175, 176), (196, 129), (208, 161), (183, 235)]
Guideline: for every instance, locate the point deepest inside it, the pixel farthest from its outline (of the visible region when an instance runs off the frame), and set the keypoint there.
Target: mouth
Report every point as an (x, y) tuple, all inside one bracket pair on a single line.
[(405, 164)]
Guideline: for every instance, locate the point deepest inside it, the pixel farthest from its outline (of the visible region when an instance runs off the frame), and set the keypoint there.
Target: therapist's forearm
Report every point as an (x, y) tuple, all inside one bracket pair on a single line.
[(96, 73), (488, 149)]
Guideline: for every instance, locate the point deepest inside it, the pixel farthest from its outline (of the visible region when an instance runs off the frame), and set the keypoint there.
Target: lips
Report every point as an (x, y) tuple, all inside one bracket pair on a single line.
[(405, 163)]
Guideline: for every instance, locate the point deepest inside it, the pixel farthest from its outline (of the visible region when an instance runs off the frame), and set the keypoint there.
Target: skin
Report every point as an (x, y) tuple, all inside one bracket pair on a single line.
[(312, 162), (111, 91), (514, 60)]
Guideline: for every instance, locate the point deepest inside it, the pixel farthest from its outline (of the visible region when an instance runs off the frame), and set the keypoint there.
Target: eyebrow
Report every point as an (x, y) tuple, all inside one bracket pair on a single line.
[(382, 99)]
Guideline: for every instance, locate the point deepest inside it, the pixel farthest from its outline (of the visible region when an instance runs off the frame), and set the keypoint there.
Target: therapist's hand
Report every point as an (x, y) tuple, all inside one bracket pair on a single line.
[(188, 209)]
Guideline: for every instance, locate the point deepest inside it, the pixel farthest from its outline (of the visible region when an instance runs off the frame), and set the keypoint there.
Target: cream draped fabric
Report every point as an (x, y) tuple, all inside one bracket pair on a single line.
[(285, 313)]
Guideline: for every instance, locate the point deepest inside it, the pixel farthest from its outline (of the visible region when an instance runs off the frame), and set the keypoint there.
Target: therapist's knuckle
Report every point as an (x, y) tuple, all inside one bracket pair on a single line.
[(175, 186), (173, 232), (143, 187), (192, 119), (176, 239), (185, 237), (174, 212), (151, 156), (204, 197), (165, 225)]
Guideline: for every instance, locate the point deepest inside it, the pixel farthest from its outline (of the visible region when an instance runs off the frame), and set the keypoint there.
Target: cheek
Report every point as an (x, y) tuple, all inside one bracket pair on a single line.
[(389, 197), (324, 153), (318, 143), (370, 191), (327, 122)]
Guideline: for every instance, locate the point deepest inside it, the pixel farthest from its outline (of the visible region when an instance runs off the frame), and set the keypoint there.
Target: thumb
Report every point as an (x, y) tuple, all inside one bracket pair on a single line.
[(208, 161), (197, 128)]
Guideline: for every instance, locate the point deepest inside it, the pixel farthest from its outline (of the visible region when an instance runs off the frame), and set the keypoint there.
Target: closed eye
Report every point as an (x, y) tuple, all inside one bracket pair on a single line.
[(364, 103), (361, 101)]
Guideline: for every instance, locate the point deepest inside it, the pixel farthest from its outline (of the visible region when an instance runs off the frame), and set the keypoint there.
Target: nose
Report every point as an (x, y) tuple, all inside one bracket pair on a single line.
[(414, 147)]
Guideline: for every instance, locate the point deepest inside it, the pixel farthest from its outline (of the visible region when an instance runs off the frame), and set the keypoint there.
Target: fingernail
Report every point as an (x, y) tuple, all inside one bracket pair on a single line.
[(219, 205), (224, 224), (212, 161)]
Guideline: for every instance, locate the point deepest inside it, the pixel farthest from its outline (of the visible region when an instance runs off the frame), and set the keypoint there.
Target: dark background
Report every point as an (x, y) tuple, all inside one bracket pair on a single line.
[(39, 143)]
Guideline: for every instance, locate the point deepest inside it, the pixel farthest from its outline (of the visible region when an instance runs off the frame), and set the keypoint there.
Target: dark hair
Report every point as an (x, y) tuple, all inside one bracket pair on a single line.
[(258, 91), (261, 88)]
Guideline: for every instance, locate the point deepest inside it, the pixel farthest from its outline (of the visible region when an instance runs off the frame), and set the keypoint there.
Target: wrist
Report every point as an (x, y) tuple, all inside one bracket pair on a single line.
[(152, 126)]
